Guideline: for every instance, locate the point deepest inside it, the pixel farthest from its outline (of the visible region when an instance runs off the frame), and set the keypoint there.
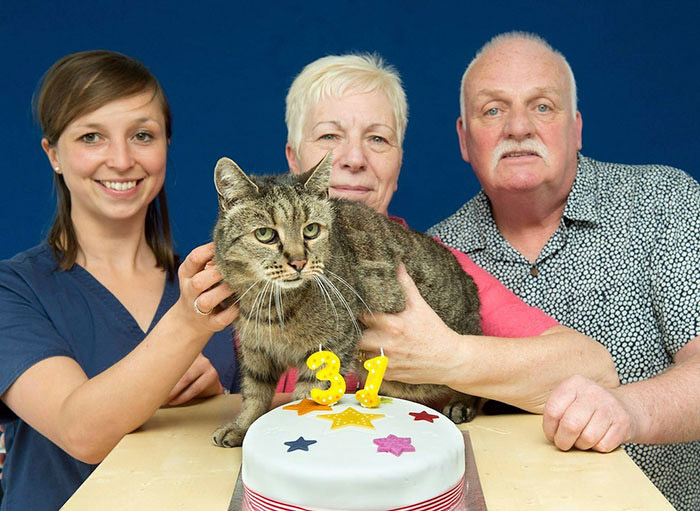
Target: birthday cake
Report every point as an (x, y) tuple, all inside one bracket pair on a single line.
[(399, 455)]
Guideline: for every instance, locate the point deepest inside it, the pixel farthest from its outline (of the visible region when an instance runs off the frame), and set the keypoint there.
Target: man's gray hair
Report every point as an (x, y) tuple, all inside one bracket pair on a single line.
[(333, 76), (509, 36)]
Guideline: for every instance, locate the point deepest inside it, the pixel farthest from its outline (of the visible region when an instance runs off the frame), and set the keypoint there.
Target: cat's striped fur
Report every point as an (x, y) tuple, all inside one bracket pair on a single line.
[(305, 287)]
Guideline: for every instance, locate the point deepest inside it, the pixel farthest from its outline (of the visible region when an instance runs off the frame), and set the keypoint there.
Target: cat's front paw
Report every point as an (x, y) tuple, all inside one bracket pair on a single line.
[(462, 410), (228, 435)]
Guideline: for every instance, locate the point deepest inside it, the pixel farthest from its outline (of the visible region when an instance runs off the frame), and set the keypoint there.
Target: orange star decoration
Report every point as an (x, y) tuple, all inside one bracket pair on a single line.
[(351, 417), (305, 406)]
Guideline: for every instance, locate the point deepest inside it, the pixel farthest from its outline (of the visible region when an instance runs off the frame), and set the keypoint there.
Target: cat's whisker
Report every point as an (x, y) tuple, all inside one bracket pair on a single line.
[(257, 306), (278, 305), (326, 297), (342, 280), (244, 329), (246, 291), (342, 299), (273, 289)]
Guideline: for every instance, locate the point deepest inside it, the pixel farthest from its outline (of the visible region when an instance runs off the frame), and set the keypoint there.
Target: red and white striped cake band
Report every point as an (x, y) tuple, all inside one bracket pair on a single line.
[(448, 501)]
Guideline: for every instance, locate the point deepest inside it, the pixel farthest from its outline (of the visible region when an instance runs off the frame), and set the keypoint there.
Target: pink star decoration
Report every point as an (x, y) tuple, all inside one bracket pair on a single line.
[(394, 444), (423, 416)]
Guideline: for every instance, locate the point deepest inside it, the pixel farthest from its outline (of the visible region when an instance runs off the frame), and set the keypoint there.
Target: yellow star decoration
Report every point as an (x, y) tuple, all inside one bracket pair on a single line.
[(305, 406), (351, 417)]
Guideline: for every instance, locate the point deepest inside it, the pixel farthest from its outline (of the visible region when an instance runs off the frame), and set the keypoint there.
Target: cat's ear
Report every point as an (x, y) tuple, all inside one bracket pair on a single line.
[(231, 183), (316, 179)]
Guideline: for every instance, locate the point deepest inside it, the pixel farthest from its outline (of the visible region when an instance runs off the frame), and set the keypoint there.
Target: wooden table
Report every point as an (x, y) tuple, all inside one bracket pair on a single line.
[(170, 464)]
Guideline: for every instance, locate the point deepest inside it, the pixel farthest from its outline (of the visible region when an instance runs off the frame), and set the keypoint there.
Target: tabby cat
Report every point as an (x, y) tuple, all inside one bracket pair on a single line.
[(305, 267)]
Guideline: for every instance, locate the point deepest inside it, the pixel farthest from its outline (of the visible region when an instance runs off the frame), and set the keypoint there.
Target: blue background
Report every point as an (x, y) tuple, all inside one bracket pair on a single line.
[(226, 67)]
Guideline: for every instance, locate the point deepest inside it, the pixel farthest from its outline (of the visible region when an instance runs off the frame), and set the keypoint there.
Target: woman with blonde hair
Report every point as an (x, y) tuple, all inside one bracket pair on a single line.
[(355, 107)]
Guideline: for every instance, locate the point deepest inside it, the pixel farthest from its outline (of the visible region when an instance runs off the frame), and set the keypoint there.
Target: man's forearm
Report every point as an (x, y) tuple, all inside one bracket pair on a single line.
[(665, 408), (524, 371)]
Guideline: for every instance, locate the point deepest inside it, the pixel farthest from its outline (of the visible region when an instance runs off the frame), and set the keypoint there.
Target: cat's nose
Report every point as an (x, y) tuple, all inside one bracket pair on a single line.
[(298, 265)]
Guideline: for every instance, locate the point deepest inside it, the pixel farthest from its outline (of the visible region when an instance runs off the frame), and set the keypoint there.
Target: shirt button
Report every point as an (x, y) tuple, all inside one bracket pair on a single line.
[(533, 271)]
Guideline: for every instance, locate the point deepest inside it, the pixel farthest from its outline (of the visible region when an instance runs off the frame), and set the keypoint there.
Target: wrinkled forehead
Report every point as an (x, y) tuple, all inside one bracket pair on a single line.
[(517, 65), (335, 104)]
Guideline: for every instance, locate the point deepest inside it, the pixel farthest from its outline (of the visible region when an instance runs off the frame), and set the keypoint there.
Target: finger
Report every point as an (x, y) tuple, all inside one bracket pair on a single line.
[(374, 320), (205, 279), (182, 384), (198, 387), (594, 432), (209, 299), (572, 424), (187, 393), (196, 260), (613, 438), (555, 408), (409, 287), (199, 367), (227, 315)]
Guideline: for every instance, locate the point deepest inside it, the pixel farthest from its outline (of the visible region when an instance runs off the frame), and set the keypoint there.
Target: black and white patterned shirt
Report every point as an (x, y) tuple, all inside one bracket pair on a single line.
[(624, 268)]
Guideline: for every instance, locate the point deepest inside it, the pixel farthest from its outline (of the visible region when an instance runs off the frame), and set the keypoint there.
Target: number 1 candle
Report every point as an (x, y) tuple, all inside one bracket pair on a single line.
[(329, 373), (369, 396)]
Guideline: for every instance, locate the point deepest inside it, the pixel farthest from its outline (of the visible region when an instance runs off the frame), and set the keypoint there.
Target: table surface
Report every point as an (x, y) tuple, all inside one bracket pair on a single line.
[(170, 463)]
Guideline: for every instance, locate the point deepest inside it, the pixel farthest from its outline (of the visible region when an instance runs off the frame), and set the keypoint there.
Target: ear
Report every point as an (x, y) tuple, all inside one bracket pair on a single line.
[(462, 135), (316, 179), (292, 160), (231, 183), (579, 131), (51, 154)]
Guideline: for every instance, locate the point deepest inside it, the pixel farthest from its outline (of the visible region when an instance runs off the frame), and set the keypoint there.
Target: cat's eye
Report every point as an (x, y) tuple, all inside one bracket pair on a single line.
[(312, 231), (265, 235)]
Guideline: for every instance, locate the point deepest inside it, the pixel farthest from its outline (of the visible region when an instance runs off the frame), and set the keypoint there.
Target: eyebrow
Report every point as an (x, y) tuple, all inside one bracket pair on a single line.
[(536, 91), (94, 125), (338, 125)]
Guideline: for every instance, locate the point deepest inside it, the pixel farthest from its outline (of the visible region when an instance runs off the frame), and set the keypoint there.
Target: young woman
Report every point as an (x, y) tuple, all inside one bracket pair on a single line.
[(99, 327)]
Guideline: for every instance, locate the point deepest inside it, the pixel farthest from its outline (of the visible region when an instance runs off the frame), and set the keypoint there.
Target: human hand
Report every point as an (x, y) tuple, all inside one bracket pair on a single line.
[(201, 282), (580, 413), (200, 380), (416, 340)]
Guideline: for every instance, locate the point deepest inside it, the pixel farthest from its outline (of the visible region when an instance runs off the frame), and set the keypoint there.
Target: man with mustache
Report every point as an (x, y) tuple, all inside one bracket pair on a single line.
[(610, 250)]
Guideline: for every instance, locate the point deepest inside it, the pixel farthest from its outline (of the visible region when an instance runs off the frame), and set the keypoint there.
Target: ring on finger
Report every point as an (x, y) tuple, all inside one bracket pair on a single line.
[(198, 310)]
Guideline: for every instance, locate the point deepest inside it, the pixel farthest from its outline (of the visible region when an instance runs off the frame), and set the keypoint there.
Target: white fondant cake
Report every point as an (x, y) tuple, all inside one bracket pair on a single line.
[(398, 455)]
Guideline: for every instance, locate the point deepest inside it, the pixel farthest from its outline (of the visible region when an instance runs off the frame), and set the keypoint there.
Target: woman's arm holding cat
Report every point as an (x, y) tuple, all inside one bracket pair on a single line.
[(87, 417), (519, 371)]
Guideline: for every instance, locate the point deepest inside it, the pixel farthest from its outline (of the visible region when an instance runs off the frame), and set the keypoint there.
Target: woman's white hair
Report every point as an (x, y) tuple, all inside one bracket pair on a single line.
[(332, 76), (509, 36)]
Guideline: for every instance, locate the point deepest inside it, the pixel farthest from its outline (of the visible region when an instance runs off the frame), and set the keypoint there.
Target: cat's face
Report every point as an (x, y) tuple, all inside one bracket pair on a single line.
[(272, 229)]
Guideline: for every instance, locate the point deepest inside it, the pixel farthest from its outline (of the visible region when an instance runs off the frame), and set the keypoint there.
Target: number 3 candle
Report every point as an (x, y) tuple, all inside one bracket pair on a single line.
[(329, 373)]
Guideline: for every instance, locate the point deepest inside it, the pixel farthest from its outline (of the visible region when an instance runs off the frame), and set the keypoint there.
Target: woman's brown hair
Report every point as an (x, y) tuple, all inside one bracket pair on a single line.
[(81, 83)]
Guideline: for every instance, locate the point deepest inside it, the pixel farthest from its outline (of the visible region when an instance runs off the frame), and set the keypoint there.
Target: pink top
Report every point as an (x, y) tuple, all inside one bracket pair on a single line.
[(503, 314)]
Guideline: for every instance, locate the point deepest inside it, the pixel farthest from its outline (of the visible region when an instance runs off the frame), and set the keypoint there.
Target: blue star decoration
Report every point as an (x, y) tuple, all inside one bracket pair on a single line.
[(300, 444)]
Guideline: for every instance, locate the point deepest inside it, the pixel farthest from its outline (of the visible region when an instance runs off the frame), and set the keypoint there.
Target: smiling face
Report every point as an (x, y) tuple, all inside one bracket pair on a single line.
[(113, 159), (359, 128), (519, 131)]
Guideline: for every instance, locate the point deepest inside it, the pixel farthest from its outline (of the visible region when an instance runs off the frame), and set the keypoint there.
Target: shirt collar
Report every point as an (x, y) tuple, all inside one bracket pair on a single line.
[(486, 229), (582, 203), (581, 206)]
